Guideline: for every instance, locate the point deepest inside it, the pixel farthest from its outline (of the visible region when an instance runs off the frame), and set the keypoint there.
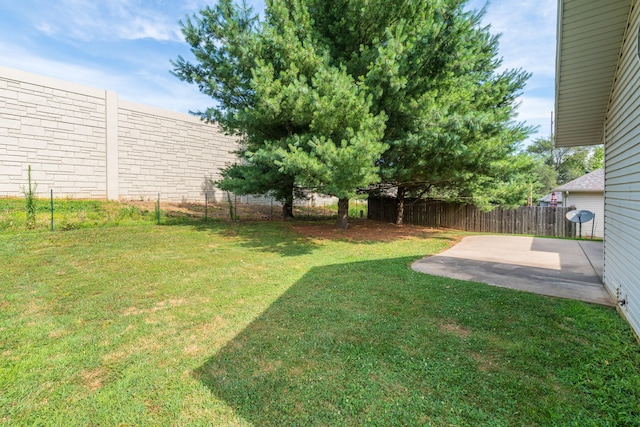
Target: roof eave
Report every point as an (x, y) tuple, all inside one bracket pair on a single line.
[(589, 41)]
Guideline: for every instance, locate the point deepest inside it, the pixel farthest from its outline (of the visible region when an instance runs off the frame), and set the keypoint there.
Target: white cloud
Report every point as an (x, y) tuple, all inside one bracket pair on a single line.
[(45, 28), (16, 57), (140, 28), (89, 20), (528, 33)]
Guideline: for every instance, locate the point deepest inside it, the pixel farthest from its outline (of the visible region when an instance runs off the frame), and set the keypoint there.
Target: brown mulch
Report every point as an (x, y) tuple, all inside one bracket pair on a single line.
[(311, 222), (361, 230)]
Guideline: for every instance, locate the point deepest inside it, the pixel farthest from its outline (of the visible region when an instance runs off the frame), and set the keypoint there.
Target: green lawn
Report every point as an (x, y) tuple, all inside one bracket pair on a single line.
[(256, 324)]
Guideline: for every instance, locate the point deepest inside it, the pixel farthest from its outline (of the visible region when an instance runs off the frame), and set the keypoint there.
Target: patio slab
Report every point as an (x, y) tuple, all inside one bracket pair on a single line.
[(554, 267)]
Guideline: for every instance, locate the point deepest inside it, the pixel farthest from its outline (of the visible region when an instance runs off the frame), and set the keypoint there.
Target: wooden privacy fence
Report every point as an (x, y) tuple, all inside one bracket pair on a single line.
[(535, 220)]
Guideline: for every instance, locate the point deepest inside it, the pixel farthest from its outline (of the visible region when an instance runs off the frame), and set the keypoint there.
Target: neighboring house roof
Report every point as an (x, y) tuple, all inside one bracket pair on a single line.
[(590, 35), (590, 182), (547, 198)]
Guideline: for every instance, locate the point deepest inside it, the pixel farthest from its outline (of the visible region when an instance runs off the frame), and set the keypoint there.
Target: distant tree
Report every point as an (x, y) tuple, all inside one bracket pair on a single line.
[(545, 177), (596, 159), (557, 166)]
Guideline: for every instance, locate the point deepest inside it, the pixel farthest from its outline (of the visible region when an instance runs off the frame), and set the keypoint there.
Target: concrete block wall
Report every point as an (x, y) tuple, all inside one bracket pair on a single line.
[(167, 152), (86, 143), (56, 127)]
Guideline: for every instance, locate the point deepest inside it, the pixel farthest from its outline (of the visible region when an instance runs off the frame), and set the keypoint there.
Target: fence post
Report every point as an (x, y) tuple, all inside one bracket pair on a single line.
[(52, 210), (158, 210), (206, 205)]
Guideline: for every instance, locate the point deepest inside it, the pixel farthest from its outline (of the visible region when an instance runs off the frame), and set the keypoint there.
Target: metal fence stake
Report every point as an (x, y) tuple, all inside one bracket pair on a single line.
[(51, 210)]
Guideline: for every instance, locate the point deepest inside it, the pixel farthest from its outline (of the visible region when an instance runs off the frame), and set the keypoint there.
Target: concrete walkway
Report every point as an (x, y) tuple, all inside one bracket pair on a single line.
[(554, 267)]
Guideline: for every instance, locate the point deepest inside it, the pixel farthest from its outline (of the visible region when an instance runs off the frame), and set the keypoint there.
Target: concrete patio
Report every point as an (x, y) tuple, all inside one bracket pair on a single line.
[(554, 267)]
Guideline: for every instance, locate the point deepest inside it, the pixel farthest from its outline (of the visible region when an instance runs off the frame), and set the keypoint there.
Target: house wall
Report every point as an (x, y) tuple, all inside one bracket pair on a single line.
[(85, 142), (593, 202), (622, 178)]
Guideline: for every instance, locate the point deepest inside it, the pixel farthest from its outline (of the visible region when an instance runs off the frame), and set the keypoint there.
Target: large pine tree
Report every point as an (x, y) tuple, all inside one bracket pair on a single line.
[(433, 70), (301, 116)]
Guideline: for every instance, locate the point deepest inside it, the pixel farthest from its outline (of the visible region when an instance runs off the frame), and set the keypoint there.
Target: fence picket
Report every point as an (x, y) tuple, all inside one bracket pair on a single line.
[(536, 220)]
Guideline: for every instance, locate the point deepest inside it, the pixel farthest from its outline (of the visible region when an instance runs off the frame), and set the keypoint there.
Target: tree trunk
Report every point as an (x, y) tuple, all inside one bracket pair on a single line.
[(343, 213), (287, 208), (400, 205)]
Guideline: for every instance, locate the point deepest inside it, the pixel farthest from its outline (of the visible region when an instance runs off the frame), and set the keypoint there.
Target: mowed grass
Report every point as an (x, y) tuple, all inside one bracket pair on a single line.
[(260, 324)]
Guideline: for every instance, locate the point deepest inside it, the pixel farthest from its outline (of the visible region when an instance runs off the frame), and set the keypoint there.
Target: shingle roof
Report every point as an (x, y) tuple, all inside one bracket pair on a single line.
[(547, 198), (593, 181)]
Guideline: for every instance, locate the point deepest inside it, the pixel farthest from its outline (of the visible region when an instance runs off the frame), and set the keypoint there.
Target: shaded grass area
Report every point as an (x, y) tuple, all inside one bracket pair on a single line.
[(257, 324), (372, 343)]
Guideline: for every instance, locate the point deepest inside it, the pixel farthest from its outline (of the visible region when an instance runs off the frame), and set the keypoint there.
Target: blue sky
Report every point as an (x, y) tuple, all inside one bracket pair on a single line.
[(126, 46)]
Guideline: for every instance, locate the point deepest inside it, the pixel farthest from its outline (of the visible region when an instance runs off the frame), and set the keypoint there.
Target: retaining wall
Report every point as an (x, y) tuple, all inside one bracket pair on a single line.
[(84, 142)]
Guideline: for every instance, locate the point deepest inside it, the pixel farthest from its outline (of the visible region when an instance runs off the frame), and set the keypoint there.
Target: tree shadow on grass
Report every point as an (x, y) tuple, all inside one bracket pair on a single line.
[(374, 343), (274, 237), (301, 237), (270, 237)]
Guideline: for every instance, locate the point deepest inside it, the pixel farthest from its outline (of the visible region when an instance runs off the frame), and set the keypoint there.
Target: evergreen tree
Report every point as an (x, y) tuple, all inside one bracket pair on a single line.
[(557, 166), (432, 69), (301, 116)]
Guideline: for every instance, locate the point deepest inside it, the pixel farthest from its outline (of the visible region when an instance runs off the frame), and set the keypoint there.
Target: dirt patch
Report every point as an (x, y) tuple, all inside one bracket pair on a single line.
[(485, 363), (268, 366), (115, 357), (192, 350), (162, 305), (92, 378), (454, 328), (58, 333)]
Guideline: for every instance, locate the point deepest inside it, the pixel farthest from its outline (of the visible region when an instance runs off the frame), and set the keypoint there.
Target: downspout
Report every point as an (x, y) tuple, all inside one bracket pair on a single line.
[(604, 219), (618, 297)]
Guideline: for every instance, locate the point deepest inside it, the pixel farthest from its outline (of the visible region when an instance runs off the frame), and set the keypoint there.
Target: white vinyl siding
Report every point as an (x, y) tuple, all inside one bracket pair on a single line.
[(593, 202), (622, 177)]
